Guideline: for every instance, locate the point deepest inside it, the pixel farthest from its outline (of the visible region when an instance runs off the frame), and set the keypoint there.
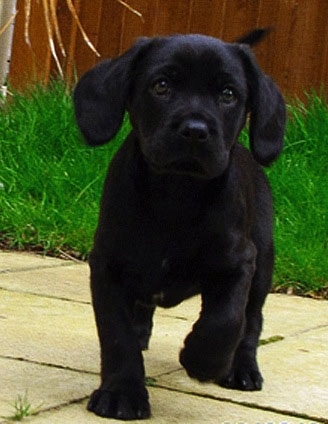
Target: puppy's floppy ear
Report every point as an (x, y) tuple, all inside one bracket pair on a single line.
[(267, 112), (101, 94)]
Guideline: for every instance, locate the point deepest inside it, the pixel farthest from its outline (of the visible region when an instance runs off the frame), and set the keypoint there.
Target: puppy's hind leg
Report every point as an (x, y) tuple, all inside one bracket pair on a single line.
[(209, 350), (143, 323), (245, 373)]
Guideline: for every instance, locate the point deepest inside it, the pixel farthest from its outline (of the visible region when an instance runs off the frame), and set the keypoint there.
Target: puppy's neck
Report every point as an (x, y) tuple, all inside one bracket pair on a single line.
[(182, 198)]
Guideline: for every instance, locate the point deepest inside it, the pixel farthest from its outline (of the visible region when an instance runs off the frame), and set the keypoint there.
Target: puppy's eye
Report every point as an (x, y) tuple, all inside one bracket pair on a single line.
[(161, 87), (227, 96)]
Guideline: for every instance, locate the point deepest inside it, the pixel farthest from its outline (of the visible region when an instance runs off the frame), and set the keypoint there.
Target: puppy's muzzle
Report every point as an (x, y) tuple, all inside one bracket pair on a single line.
[(190, 145)]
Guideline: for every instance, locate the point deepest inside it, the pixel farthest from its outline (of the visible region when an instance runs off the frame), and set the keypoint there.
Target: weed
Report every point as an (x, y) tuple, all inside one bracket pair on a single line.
[(272, 339), (150, 381), (22, 408)]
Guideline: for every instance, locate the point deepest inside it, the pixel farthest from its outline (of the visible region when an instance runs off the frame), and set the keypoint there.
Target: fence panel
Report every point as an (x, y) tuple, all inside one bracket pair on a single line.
[(295, 54)]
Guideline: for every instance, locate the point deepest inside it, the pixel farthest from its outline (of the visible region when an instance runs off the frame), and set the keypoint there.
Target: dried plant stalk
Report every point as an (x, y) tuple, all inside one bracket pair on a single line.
[(54, 21), (7, 24), (52, 26), (131, 9), (50, 35), (77, 20), (27, 11)]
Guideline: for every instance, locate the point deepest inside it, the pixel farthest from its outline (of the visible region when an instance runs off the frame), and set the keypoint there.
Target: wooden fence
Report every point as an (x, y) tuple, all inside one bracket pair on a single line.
[(295, 54)]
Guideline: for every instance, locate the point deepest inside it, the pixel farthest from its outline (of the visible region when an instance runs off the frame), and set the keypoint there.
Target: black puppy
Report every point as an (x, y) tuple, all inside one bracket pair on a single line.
[(185, 209)]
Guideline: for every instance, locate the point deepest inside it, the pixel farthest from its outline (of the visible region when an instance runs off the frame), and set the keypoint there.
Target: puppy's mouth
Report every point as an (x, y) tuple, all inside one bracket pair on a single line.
[(182, 167)]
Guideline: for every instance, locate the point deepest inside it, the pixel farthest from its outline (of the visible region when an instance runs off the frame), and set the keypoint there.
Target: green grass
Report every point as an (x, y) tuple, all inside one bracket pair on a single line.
[(299, 182), (50, 184)]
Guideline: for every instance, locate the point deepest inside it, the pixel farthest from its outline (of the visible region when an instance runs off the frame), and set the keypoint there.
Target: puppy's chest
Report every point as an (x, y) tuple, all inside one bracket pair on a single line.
[(177, 261), (171, 277), (170, 259), (165, 267)]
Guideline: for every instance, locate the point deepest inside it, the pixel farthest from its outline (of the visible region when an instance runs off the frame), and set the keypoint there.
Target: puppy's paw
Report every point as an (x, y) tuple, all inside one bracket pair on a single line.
[(201, 357), (247, 378), (123, 405), (196, 366)]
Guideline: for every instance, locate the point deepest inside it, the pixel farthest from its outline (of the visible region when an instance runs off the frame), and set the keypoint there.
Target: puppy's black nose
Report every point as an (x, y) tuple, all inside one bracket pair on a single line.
[(194, 130)]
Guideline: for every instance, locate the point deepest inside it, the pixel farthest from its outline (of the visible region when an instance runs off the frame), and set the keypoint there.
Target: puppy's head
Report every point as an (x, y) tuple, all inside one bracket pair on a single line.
[(188, 98)]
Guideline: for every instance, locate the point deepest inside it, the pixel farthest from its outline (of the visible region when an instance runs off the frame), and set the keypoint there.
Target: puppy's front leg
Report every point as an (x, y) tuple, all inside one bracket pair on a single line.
[(122, 393), (210, 348)]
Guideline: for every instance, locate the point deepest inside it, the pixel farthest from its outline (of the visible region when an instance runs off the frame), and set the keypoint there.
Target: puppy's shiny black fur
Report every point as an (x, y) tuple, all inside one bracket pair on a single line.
[(185, 209)]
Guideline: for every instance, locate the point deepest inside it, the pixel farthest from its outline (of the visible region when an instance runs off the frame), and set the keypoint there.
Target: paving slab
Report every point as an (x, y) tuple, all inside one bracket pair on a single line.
[(67, 282), (295, 368), (45, 387), (29, 320), (284, 316), (49, 345), (22, 261), (295, 373), (174, 408), (48, 330), (287, 315)]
